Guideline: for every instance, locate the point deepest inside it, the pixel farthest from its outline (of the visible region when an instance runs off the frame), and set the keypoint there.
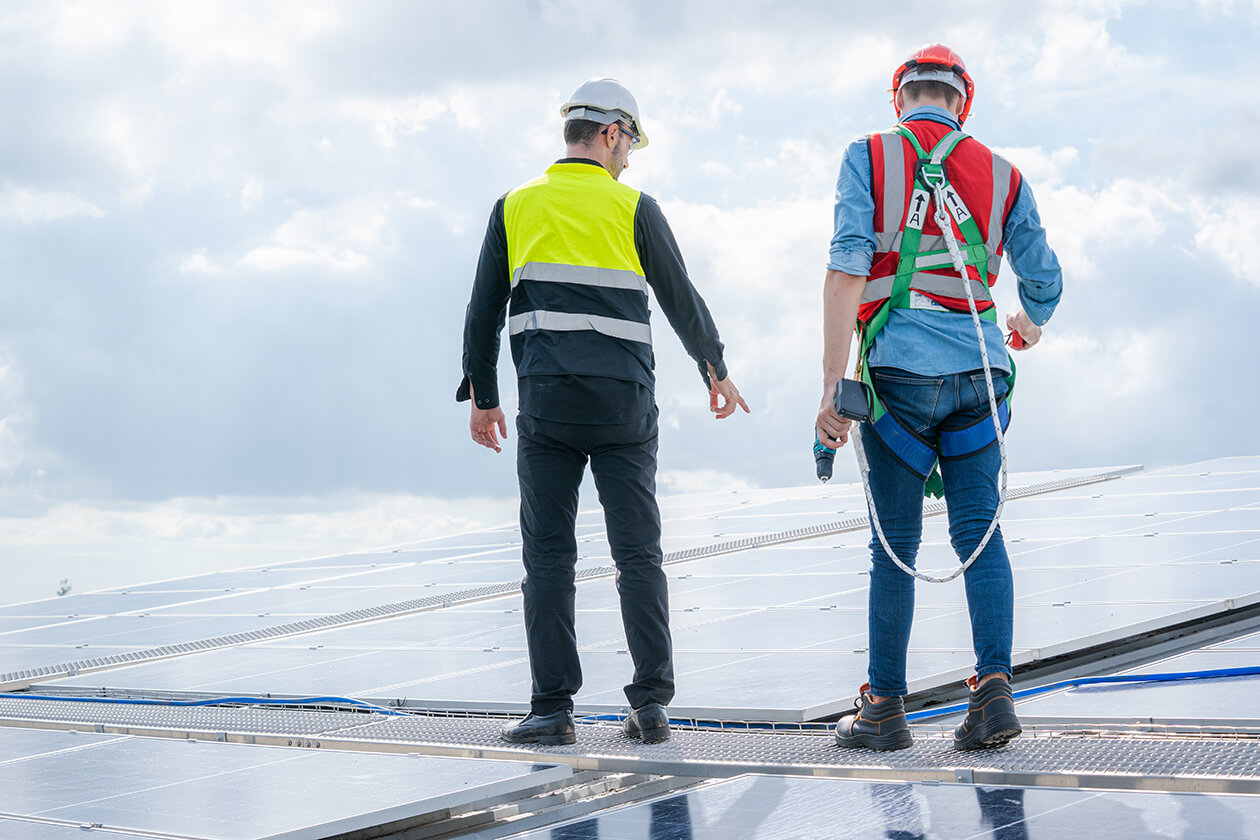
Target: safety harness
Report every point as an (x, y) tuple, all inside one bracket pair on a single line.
[(914, 452)]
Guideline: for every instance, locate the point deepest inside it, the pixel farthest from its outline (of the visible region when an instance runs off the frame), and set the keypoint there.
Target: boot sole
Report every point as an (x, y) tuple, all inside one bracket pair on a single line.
[(885, 743), (543, 740), (997, 734), (651, 736)]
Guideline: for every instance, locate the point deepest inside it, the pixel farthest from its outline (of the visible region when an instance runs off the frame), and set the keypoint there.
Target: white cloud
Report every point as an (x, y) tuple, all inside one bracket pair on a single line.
[(1229, 229), (395, 118), (467, 106), (751, 250), (1038, 165), (234, 31), (715, 168), (1079, 50), (760, 269), (198, 262), (415, 202), (14, 413), (1106, 395), (1082, 222), (24, 462), (1230, 8), (762, 61), (251, 194), (342, 237), (32, 205), (1121, 214), (132, 131)]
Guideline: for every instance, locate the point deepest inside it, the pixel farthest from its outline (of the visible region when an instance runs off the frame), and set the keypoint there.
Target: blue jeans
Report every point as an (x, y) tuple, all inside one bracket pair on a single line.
[(928, 405)]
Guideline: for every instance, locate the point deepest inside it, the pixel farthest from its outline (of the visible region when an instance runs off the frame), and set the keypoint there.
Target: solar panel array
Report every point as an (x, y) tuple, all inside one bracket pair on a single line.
[(768, 596), (778, 631)]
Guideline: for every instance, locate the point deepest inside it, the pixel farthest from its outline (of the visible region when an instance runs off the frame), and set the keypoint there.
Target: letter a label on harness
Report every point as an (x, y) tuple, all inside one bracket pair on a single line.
[(955, 204), (917, 211)]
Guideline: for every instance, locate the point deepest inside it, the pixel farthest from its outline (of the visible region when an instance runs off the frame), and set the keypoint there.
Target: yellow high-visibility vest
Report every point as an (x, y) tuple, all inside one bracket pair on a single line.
[(576, 276)]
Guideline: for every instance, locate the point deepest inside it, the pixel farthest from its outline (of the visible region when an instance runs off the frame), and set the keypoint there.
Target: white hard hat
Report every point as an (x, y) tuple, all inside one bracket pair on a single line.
[(605, 101)]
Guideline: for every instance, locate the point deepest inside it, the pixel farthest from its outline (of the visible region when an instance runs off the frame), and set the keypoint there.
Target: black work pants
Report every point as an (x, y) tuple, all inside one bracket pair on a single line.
[(551, 458)]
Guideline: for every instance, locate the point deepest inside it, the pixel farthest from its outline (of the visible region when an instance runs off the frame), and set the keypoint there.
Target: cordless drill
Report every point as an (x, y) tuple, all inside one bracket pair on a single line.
[(850, 402)]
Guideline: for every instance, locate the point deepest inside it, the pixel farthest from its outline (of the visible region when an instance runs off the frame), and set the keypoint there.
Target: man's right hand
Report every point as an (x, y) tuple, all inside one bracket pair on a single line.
[(832, 429), (484, 424)]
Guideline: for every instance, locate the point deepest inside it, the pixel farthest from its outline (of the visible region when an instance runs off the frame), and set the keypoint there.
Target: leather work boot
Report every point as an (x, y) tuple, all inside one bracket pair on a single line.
[(878, 726), (550, 730), (650, 722), (991, 720)]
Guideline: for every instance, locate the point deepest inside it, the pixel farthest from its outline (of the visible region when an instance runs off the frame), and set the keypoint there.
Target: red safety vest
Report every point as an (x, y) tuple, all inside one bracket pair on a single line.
[(988, 186)]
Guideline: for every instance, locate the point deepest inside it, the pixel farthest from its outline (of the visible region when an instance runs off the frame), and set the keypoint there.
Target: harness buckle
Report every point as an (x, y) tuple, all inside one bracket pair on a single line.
[(931, 174)]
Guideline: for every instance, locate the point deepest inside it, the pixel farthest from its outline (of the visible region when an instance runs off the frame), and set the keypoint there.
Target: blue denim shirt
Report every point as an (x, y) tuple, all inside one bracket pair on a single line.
[(921, 340)]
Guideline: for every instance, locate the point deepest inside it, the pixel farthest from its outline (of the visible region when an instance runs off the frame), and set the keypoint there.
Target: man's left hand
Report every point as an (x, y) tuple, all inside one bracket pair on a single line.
[(725, 389)]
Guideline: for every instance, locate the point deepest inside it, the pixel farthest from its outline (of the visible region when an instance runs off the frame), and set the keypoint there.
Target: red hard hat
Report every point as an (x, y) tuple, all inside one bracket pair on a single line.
[(943, 57)]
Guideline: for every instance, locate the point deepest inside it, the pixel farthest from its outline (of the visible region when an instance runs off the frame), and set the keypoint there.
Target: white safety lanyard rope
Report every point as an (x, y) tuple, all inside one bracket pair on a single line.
[(943, 222)]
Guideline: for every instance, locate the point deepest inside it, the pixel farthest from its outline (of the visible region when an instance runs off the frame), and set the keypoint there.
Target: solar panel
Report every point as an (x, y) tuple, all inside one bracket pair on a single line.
[(13, 829), (1230, 700), (765, 807), (221, 791)]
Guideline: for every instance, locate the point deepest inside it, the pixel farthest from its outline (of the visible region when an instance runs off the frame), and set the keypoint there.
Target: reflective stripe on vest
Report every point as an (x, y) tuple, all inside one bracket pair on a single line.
[(891, 241), (581, 275), (933, 284), (541, 319)]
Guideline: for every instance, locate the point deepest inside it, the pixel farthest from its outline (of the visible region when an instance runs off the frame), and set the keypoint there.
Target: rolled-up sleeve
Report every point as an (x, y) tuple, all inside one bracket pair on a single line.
[(853, 239), (1035, 264)]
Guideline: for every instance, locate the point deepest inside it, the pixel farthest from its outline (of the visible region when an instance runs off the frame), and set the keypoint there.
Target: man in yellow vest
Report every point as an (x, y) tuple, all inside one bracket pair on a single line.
[(574, 252)]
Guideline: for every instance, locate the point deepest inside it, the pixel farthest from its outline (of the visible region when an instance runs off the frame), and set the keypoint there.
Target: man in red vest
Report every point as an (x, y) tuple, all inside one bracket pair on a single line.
[(900, 196)]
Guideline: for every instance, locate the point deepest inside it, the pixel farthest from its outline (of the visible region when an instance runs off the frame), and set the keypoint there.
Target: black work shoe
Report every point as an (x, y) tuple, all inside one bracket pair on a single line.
[(650, 722), (991, 720), (552, 729), (877, 726)]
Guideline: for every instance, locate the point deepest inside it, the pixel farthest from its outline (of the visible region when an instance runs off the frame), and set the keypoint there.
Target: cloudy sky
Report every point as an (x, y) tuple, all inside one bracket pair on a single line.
[(237, 239)]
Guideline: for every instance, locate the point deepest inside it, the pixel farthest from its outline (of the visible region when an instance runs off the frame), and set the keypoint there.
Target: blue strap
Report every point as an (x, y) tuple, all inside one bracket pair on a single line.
[(962, 442), (906, 447)]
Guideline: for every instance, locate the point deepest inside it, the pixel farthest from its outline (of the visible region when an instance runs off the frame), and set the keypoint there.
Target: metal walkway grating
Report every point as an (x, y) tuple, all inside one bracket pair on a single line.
[(1203, 763)]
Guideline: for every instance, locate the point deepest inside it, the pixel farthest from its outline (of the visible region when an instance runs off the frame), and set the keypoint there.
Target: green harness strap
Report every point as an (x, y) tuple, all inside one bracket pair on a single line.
[(928, 177)]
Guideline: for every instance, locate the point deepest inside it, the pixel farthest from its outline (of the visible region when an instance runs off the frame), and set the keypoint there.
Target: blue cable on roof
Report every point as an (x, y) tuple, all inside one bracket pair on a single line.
[(1249, 671), (222, 701), (1217, 673)]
